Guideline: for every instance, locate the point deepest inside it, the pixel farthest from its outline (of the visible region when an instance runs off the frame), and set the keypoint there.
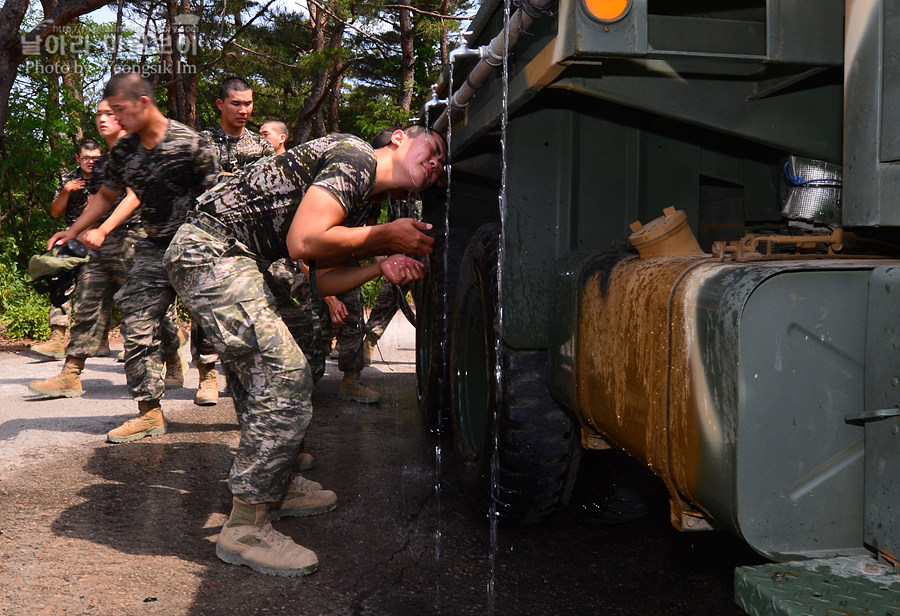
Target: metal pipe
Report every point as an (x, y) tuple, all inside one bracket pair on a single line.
[(491, 56)]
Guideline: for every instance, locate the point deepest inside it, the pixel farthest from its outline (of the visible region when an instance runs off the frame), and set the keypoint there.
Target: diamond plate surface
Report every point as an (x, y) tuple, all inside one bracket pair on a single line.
[(843, 586)]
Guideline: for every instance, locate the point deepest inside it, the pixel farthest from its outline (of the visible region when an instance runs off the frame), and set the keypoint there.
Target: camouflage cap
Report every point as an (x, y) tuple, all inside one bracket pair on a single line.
[(63, 258), (54, 271)]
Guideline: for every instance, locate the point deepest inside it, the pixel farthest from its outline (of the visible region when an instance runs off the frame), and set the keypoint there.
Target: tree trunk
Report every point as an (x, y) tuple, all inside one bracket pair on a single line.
[(445, 54), (407, 59), (337, 79), (311, 119)]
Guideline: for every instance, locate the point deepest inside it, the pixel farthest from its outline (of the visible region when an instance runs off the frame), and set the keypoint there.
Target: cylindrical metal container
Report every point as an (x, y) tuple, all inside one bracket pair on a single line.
[(731, 381)]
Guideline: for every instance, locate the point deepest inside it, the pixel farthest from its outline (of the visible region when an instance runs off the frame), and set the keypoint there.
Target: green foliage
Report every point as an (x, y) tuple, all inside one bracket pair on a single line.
[(39, 142), (370, 292), (275, 53), (22, 311)]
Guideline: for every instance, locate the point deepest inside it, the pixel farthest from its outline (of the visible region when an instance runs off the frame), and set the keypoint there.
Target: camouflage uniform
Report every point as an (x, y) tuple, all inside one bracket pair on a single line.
[(237, 152), (167, 180), (216, 264), (233, 153), (293, 298), (103, 275), (350, 335), (59, 316), (98, 280), (383, 311)]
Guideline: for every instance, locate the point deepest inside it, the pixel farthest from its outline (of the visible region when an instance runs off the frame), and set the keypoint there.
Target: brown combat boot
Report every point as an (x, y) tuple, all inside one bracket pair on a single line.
[(249, 539), (208, 391), (175, 370), (55, 347), (303, 498), (66, 384), (352, 389), (149, 422)]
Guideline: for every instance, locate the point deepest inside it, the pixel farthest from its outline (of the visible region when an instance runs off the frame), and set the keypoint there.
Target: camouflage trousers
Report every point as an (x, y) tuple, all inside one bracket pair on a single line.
[(382, 312), (293, 297), (60, 316), (169, 325), (98, 281), (145, 299), (224, 287), (350, 336)]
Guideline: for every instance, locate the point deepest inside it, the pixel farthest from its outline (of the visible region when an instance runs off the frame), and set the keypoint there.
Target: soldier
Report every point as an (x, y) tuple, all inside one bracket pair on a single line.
[(293, 206), (70, 199), (346, 310), (237, 146), (276, 133), (111, 256), (167, 165)]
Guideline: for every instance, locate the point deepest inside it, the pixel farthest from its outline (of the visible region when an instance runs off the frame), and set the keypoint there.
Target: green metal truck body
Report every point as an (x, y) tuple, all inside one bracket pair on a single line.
[(760, 390)]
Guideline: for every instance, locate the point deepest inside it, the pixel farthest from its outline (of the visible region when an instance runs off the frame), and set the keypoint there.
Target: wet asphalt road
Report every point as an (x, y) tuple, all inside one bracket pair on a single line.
[(98, 529)]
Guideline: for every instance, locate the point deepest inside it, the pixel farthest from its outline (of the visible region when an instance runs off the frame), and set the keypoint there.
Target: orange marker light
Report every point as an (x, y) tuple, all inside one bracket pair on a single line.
[(607, 10)]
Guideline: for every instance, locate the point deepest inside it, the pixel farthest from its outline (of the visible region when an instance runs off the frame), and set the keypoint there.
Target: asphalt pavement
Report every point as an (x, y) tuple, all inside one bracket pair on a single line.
[(90, 528)]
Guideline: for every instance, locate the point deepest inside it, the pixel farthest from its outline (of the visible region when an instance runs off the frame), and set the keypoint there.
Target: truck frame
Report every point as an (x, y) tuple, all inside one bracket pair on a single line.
[(755, 370)]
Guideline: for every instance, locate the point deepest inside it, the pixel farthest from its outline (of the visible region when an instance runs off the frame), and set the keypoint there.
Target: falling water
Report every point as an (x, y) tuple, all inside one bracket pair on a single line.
[(445, 329), (498, 376)]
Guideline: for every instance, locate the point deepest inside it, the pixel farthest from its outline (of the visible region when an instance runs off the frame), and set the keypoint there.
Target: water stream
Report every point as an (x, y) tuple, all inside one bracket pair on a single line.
[(498, 373), (445, 328)]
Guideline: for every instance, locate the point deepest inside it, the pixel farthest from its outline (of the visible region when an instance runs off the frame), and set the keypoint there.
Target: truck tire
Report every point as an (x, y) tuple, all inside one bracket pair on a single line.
[(533, 437), (433, 297)]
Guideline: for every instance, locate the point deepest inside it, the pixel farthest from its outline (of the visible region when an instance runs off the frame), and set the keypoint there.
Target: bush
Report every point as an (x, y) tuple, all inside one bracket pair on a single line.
[(370, 292), (22, 310)]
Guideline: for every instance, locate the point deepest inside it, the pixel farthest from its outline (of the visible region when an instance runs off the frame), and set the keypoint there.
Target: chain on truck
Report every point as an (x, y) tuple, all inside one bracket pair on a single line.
[(743, 342)]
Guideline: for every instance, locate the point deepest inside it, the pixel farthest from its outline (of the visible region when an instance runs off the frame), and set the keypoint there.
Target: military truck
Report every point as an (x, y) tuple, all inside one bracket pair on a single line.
[(671, 228)]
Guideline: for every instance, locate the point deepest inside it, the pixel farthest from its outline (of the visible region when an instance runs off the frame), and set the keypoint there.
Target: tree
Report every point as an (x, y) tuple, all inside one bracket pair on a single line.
[(57, 13)]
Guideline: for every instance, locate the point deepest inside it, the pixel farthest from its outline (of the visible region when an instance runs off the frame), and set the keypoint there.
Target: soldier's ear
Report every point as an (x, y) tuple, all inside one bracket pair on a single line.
[(398, 137)]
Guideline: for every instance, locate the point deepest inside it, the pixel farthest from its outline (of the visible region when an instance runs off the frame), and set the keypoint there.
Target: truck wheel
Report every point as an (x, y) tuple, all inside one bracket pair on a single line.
[(434, 296), (534, 437)]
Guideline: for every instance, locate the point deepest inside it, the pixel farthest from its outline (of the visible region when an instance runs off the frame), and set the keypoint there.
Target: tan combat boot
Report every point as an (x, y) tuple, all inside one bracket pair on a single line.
[(55, 347), (66, 384), (249, 539), (303, 498), (352, 389), (149, 422), (208, 391), (175, 369)]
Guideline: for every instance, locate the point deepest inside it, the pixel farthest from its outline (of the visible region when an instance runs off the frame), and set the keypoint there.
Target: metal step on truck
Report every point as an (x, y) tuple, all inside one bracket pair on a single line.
[(672, 228)]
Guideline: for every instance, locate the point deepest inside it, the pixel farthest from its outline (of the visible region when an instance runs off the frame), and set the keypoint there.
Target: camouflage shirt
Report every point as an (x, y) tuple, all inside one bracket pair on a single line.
[(77, 198), (167, 179), (236, 152), (94, 184), (259, 203)]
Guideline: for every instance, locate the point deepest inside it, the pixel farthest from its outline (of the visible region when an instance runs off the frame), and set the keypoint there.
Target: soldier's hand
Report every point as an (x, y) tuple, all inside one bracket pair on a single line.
[(93, 238), (408, 238), (76, 184), (60, 237), (401, 269), (337, 310)]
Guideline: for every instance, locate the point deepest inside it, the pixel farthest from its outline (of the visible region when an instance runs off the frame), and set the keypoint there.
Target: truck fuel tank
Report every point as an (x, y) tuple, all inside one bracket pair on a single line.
[(732, 381)]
